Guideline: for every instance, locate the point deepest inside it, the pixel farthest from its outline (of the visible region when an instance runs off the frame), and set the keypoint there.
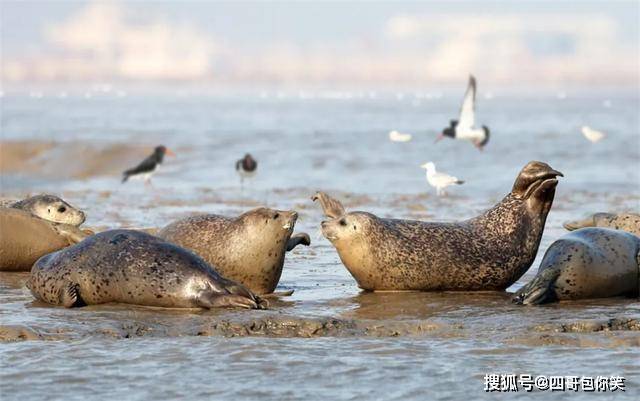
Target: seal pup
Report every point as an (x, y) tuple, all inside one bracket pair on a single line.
[(587, 263), (133, 267), (488, 252), (148, 166), (24, 238), (249, 249), (629, 222), (464, 127), (51, 208)]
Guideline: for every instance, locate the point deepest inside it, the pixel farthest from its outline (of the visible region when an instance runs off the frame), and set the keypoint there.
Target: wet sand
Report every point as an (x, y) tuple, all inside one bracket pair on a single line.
[(328, 340)]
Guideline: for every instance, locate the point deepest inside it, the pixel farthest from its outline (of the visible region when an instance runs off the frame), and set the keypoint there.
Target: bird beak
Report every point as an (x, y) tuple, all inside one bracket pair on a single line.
[(170, 153), (439, 138)]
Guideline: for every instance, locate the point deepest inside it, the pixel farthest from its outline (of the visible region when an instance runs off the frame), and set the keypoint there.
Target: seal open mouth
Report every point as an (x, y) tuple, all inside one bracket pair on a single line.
[(535, 176)]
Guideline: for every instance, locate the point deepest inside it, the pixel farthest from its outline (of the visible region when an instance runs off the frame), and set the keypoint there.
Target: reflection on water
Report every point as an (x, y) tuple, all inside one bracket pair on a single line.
[(376, 345)]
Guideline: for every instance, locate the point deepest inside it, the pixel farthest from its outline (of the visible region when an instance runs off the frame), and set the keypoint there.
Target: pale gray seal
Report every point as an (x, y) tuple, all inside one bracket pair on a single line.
[(488, 252), (133, 267), (51, 208), (249, 248), (629, 222), (36, 226), (586, 263)]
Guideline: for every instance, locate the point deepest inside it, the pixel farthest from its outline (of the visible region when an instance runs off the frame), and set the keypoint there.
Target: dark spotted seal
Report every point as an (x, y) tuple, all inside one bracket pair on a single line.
[(249, 248), (488, 252), (51, 208), (629, 222), (586, 263), (24, 238), (133, 267)]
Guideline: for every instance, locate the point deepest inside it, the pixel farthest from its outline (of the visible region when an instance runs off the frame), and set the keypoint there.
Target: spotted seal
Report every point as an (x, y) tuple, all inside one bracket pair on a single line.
[(488, 252), (249, 249), (590, 262), (629, 222), (51, 208), (133, 267), (36, 226)]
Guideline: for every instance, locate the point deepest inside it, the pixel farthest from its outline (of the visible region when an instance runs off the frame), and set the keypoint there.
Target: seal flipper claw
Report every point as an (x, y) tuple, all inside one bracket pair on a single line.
[(298, 239), (332, 208), (539, 290), (69, 296)]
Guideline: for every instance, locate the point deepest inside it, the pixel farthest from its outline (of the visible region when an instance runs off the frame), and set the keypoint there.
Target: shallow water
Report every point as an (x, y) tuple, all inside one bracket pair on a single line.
[(329, 340)]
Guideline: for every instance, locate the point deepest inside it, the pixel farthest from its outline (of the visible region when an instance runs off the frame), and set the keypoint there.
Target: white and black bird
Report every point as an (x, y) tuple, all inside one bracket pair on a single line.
[(439, 180), (246, 167), (464, 128), (148, 166)]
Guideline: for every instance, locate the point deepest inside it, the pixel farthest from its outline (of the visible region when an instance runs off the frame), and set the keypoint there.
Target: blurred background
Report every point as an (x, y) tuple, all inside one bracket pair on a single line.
[(518, 43)]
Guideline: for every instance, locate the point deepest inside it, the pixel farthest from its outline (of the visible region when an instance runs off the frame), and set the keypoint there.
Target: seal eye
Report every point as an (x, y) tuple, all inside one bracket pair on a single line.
[(62, 209), (354, 227), (276, 215), (343, 222)]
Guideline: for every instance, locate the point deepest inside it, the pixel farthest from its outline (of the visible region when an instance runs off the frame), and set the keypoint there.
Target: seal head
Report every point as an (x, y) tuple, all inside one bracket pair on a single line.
[(51, 208)]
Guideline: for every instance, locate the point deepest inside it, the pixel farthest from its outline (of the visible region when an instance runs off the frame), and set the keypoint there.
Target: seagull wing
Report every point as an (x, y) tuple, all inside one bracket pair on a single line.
[(468, 109), (443, 179), (146, 165)]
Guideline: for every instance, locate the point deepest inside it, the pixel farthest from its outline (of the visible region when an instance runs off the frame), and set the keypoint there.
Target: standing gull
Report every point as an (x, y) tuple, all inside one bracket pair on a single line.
[(439, 180), (148, 166), (464, 128), (246, 167)]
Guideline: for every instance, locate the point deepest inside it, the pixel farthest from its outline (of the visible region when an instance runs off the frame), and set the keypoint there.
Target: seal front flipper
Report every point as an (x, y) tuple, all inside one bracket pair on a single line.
[(211, 299), (69, 296), (539, 290), (298, 239), (331, 207), (72, 234)]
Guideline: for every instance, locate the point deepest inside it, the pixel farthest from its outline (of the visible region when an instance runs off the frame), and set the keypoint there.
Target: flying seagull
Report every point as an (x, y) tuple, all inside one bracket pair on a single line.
[(464, 128)]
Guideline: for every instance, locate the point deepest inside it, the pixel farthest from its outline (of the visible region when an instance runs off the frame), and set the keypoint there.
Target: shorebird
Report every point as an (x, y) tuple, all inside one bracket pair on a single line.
[(396, 136), (464, 127), (246, 167), (593, 135), (439, 180), (148, 166)]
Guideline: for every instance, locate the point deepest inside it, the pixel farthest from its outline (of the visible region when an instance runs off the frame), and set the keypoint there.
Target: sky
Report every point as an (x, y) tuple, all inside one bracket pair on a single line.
[(394, 43)]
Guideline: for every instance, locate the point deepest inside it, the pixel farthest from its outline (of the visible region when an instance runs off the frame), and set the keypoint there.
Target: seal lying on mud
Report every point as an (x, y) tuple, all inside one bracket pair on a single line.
[(51, 208), (488, 252), (629, 222), (249, 248), (34, 227), (586, 263), (133, 267)]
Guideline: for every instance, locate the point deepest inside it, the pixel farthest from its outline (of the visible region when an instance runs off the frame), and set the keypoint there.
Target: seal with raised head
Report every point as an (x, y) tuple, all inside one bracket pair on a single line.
[(133, 267), (587, 263), (629, 222), (249, 249), (36, 226), (51, 208), (488, 252)]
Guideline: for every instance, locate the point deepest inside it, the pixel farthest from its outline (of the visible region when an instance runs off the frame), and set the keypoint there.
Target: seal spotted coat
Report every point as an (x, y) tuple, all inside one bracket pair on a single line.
[(249, 249), (488, 252), (133, 267), (590, 262)]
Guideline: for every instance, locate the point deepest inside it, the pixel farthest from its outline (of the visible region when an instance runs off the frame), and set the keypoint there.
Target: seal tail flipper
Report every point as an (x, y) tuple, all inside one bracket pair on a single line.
[(69, 296), (298, 239), (331, 207), (539, 290)]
